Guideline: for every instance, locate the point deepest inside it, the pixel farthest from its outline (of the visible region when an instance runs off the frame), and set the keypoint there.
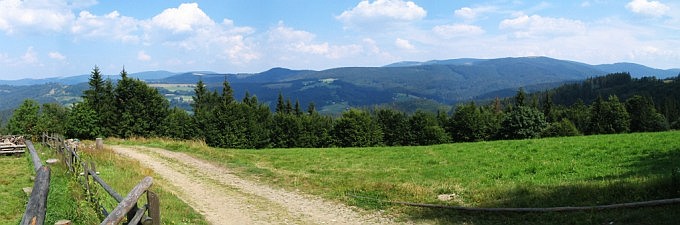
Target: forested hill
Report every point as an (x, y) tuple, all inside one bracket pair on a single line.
[(665, 93), (407, 85)]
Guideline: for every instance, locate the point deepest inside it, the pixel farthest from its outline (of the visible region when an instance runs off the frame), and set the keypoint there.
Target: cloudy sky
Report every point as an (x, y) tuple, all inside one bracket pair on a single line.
[(47, 38)]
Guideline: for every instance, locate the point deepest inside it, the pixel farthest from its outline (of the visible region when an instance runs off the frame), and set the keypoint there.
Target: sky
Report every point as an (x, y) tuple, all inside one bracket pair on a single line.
[(52, 38)]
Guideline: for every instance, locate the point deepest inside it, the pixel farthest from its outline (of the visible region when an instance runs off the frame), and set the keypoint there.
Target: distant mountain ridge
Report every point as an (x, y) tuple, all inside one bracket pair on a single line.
[(71, 80), (332, 90)]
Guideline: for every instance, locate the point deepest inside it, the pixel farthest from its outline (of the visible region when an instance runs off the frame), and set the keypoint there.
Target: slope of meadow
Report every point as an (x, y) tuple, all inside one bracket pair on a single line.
[(574, 171)]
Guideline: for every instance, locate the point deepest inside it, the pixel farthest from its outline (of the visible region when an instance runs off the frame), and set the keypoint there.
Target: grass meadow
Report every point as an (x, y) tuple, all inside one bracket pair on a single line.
[(550, 172), (15, 174), (67, 199)]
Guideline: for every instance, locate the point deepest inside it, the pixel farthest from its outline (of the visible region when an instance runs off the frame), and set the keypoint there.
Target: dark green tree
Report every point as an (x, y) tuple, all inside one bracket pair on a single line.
[(395, 127), (297, 110), (356, 128), (280, 104), (227, 93), (523, 122), (287, 130), (82, 122), (425, 130), (579, 114), (563, 128), (643, 115), (100, 98), (316, 132), (311, 108), (472, 123), (608, 117), (24, 120), (52, 119), (520, 97), (179, 125), (140, 110)]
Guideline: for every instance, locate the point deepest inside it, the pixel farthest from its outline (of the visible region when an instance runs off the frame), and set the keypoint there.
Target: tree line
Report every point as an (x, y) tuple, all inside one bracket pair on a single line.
[(130, 108)]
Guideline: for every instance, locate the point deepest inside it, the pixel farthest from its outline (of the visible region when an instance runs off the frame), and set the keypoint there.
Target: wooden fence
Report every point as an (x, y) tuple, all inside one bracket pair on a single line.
[(127, 206), (37, 203)]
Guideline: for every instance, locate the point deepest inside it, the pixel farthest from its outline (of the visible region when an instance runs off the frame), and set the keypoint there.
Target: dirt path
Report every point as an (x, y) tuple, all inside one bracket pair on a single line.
[(224, 198)]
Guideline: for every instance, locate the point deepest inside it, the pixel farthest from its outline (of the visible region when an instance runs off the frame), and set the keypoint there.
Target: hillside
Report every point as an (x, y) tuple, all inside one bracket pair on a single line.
[(551, 172), (333, 90)]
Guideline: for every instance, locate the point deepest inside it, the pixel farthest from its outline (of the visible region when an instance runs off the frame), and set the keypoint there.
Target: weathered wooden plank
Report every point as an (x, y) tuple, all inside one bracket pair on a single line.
[(37, 204), (129, 202), (34, 155), (138, 216), (12, 152), (106, 187), (154, 207)]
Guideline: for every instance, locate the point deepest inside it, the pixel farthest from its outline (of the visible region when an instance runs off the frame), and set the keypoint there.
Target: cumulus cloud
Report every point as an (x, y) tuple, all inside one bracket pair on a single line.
[(34, 16), (534, 26), (288, 39), (382, 11), (111, 25), (56, 55), (185, 18), (647, 8), (142, 56), (404, 44), (468, 13), (457, 30)]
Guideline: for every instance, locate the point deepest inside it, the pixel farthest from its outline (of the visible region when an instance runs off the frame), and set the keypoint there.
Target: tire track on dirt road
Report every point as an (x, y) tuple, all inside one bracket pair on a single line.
[(224, 198)]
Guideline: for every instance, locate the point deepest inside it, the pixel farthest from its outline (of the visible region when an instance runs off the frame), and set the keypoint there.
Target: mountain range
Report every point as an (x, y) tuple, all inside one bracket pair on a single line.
[(333, 90)]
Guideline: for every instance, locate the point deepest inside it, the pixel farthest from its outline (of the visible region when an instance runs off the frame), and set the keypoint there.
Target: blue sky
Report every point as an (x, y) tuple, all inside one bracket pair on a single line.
[(48, 38)]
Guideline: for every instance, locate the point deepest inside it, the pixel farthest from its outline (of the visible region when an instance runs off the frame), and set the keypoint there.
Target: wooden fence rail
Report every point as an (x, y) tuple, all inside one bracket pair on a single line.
[(127, 207), (37, 203)]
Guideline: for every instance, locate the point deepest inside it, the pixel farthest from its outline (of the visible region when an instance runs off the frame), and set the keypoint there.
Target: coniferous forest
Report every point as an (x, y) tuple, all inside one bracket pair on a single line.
[(616, 103)]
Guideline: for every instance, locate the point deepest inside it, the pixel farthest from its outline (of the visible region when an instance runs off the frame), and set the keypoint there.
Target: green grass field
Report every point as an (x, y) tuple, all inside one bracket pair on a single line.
[(175, 87), (574, 171), (15, 174), (66, 199)]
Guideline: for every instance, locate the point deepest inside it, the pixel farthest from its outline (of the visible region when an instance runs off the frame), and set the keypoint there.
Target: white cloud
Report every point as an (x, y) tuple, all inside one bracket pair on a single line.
[(288, 40), (535, 25), (30, 57), (56, 55), (457, 30), (648, 8), (465, 13), (189, 28), (185, 18), (142, 56), (404, 44), (468, 13), (34, 16), (382, 11), (112, 25)]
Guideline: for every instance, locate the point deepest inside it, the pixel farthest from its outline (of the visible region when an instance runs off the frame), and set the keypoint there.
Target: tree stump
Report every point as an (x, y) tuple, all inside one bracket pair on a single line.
[(99, 144)]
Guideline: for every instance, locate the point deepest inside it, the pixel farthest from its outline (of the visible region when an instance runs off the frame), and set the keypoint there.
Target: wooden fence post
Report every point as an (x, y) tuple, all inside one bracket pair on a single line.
[(37, 204), (87, 180), (154, 207)]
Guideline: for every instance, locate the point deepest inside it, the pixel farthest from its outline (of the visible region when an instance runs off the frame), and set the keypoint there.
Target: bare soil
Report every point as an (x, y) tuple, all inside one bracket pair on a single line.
[(224, 198)]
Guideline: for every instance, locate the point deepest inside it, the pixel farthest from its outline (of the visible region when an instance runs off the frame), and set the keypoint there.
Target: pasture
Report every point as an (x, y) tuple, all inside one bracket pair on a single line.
[(551, 172)]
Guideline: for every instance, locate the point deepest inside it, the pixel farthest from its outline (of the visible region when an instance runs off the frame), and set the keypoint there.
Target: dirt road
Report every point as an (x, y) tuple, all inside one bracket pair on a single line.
[(224, 198)]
